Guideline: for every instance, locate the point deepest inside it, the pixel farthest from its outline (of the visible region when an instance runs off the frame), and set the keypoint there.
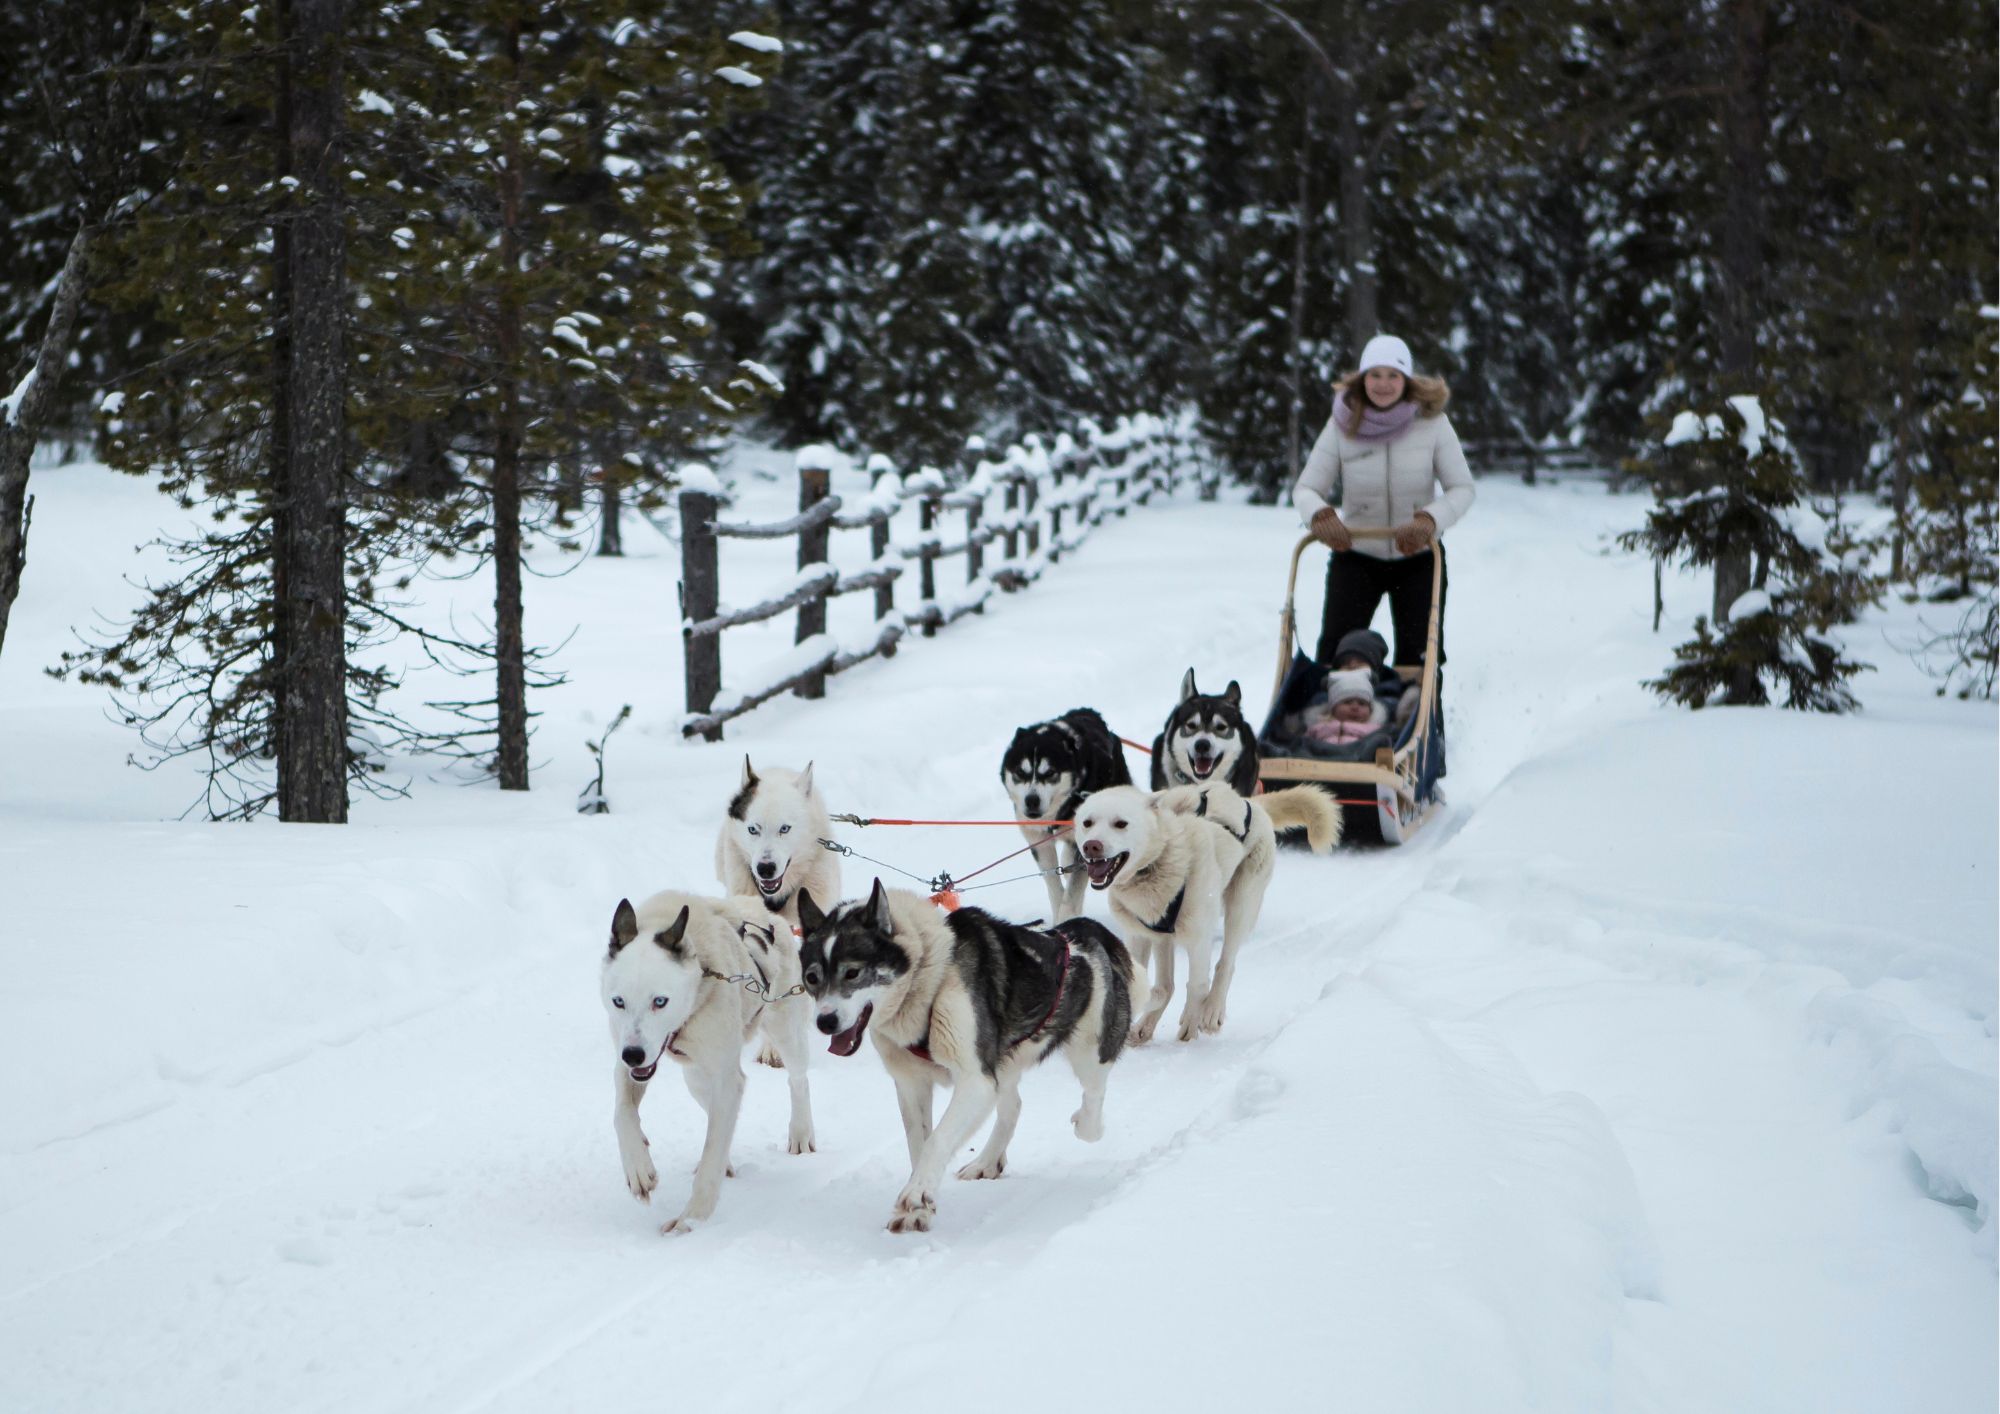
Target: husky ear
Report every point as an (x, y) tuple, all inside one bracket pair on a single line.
[(1187, 685), (624, 925), (806, 780), (810, 917), (758, 933), (749, 775), (670, 936), (1233, 694), (878, 911)]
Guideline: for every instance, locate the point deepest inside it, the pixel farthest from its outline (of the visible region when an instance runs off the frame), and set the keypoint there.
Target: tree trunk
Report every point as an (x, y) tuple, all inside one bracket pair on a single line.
[(21, 424), (1301, 247), (609, 508), (312, 549), (1746, 132), (509, 653), (279, 453), (1357, 227)]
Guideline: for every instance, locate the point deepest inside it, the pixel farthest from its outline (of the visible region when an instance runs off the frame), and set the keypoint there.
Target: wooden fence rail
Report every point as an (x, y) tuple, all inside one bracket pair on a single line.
[(1049, 498)]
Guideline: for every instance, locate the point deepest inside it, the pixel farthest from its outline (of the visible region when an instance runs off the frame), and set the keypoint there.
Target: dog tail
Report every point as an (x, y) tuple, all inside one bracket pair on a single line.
[(1307, 808)]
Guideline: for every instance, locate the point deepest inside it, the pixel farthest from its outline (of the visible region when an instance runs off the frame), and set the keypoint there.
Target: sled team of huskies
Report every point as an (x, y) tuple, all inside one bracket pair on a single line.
[(961, 998)]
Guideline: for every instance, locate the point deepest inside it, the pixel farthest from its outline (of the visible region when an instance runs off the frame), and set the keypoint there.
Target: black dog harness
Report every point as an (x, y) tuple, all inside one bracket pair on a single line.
[(1243, 835), (1173, 913)]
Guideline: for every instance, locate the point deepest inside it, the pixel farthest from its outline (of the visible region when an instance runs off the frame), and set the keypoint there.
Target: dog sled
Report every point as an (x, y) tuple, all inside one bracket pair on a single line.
[(1386, 799)]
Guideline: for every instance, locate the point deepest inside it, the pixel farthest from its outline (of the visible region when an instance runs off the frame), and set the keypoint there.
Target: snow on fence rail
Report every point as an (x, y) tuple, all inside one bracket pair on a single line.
[(1050, 497)]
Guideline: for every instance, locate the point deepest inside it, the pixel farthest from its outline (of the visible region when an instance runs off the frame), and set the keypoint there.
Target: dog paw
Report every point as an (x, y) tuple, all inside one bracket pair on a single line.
[(1190, 1028), (1142, 1032), (640, 1175), (912, 1220), (1213, 1010), (1089, 1127), (680, 1226), (800, 1141), (767, 1054), (986, 1168)]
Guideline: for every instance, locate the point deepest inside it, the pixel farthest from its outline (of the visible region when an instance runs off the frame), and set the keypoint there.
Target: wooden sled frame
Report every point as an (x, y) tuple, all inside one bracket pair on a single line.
[(1392, 777)]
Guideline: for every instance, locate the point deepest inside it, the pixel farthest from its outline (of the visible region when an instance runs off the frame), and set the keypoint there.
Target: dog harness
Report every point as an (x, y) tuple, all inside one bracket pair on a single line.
[(1173, 913), (922, 1049), (1242, 836)]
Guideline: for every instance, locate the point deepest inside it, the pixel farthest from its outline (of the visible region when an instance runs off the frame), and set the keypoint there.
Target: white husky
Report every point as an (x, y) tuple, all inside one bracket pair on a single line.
[(1180, 862), (686, 981), (768, 846)]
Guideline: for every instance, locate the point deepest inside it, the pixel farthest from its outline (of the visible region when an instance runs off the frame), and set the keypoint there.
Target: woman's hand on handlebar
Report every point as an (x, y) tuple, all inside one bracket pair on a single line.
[(1414, 534), (1328, 529)]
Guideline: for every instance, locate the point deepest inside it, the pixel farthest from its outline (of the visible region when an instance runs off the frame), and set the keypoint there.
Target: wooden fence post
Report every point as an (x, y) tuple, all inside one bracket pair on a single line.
[(1031, 494), (1055, 511), (927, 518), (878, 555), (812, 551), (700, 591)]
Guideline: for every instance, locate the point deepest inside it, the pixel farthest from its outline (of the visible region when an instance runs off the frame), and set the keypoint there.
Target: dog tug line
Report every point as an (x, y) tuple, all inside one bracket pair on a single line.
[(945, 889)]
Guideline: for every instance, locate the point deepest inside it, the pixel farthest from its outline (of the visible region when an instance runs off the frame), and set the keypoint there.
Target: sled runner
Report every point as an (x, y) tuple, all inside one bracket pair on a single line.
[(1391, 796)]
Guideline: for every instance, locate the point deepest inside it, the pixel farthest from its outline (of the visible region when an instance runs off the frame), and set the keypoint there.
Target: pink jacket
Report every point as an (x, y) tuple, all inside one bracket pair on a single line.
[(1335, 732)]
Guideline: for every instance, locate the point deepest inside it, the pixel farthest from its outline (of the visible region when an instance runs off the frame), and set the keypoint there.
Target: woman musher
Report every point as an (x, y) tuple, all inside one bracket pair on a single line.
[(1388, 460)]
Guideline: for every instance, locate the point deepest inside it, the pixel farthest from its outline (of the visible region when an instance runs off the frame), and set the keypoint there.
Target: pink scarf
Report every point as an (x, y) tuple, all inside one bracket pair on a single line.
[(1373, 424)]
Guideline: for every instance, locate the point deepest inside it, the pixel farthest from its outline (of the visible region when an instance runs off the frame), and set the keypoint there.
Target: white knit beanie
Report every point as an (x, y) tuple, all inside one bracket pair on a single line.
[(1387, 351), (1352, 683)]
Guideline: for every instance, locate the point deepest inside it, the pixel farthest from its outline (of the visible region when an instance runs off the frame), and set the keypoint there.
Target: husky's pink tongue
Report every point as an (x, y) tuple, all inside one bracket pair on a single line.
[(846, 1043)]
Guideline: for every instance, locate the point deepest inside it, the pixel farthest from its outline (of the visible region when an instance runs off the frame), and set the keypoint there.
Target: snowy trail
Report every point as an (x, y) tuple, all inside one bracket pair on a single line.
[(1599, 1095)]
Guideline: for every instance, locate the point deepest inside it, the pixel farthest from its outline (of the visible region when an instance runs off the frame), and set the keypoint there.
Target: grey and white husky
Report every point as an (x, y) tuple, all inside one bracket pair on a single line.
[(1048, 769), (971, 1001), (1178, 863), (674, 991), (768, 846), (1207, 740)]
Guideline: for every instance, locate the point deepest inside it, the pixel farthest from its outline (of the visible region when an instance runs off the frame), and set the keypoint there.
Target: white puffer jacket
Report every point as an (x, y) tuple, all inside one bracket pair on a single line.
[(1379, 485)]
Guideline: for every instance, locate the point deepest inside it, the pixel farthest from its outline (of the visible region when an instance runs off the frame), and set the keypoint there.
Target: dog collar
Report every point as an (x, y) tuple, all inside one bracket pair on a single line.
[(1172, 915)]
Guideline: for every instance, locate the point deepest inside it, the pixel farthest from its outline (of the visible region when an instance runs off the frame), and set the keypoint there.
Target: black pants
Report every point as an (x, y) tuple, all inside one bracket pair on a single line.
[(1355, 584)]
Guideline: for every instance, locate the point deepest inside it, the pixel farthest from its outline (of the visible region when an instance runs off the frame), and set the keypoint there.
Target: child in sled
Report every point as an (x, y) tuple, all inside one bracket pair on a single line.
[(1346, 712), (1364, 650)]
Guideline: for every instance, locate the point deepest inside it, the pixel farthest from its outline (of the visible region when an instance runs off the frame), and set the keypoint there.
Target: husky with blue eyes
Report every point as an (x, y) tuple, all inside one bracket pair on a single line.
[(769, 845), (688, 980), (1049, 767)]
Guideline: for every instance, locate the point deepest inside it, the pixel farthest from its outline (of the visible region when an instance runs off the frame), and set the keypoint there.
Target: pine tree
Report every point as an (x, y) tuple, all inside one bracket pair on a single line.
[(1955, 531), (562, 226), (81, 126), (1729, 485)]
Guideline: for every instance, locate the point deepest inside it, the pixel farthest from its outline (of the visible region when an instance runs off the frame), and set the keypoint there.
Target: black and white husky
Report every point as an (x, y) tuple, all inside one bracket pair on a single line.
[(971, 1001), (1048, 769), (1206, 740)]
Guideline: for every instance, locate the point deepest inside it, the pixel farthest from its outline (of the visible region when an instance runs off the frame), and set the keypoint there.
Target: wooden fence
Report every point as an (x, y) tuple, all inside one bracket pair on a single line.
[(1015, 515), (1528, 461)]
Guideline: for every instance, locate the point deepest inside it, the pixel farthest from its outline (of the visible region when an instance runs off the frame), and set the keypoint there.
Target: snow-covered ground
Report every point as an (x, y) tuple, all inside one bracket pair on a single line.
[(1658, 1074)]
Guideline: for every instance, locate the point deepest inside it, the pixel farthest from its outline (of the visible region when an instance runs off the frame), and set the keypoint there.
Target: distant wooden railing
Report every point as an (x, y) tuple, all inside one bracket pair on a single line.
[(1049, 497), (1527, 460)]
